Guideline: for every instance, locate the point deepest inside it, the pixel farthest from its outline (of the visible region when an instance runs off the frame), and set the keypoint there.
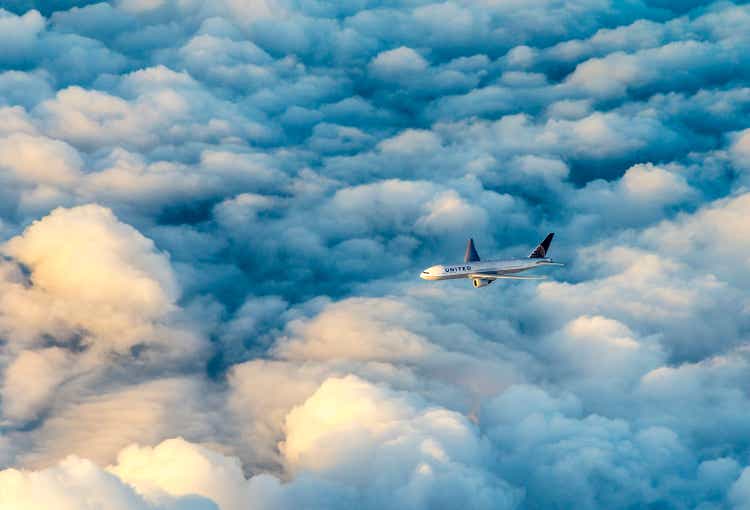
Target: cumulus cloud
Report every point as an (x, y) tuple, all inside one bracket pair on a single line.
[(437, 452), (78, 483), (640, 197), (46, 367), (97, 424), (27, 156), (124, 275), (572, 449), (19, 34), (79, 287), (442, 451), (398, 64), (377, 338)]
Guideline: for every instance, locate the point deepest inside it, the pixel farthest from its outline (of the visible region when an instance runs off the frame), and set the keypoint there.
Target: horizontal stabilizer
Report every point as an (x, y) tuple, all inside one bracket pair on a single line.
[(541, 250)]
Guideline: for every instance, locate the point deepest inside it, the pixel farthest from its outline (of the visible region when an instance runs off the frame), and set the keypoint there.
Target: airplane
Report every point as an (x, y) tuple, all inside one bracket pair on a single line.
[(484, 273)]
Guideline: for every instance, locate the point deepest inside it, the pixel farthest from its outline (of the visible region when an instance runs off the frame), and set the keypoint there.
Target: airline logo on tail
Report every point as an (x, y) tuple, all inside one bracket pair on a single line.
[(541, 250)]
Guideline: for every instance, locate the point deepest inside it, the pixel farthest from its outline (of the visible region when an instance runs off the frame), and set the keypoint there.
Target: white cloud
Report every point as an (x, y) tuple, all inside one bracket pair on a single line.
[(47, 368), (40, 160), (102, 275), (96, 288), (91, 118), (435, 453), (441, 461), (398, 64), (650, 184), (332, 334), (604, 350), (19, 34), (78, 484), (178, 468), (98, 414), (411, 141), (715, 239), (640, 197)]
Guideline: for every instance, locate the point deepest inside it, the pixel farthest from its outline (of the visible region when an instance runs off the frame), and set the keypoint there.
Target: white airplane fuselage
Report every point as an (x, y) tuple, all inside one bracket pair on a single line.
[(484, 272), (488, 267)]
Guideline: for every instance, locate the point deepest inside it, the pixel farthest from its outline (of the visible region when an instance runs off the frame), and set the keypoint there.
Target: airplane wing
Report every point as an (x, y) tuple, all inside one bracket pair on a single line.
[(493, 276)]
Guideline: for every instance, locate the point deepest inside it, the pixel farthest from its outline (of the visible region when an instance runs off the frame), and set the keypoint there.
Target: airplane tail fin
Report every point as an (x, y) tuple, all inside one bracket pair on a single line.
[(471, 252), (541, 250)]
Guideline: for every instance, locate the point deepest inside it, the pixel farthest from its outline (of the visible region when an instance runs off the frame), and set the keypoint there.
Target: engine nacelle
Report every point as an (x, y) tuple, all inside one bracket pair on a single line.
[(480, 282)]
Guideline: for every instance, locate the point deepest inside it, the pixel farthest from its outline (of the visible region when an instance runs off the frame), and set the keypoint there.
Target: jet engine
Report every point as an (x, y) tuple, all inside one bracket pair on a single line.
[(480, 282)]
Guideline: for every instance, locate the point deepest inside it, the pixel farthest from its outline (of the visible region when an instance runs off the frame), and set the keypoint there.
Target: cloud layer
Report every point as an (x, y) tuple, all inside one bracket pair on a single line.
[(212, 215)]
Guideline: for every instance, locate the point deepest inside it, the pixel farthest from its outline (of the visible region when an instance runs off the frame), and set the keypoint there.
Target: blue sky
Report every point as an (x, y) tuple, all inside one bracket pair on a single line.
[(213, 216)]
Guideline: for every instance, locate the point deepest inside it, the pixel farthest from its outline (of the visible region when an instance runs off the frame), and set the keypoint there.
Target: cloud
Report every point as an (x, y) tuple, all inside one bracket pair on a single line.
[(96, 21), (398, 64), (740, 150), (411, 141), (158, 471), (681, 269), (179, 474), (59, 329), (738, 494), (47, 368), (640, 197), (40, 160), (441, 449), (396, 341), (328, 334), (25, 89), (94, 422), (614, 350), (436, 452), (124, 273), (571, 450), (19, 34), (78, 483), (717, 228)]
